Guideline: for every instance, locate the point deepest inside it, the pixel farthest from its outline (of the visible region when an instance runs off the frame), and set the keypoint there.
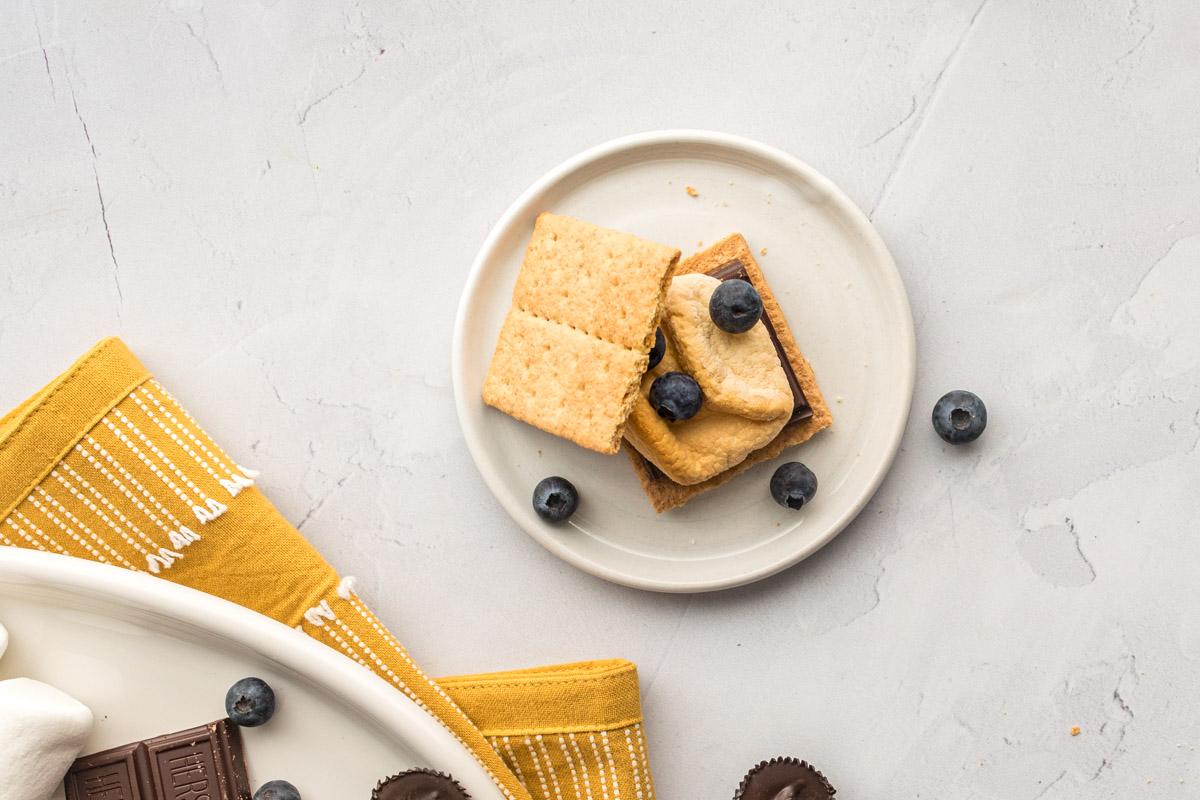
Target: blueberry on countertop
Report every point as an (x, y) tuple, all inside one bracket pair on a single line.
[(793, 485), (675, 396), (277, 790), (659, 350), (555, 499), (250, 702), (735, 306), (959, 417)]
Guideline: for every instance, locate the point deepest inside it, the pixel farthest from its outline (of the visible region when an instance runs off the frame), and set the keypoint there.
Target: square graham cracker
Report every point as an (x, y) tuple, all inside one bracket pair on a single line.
[(664, 493), (577, 338)]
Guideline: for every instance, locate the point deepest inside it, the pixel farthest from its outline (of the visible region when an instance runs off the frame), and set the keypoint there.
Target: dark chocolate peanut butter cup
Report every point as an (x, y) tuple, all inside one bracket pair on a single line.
[(784, 778), (419, 784)]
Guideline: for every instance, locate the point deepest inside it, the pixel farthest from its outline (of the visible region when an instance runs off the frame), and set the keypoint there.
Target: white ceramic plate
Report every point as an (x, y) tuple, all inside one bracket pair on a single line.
[(149, 657), (840, 291)]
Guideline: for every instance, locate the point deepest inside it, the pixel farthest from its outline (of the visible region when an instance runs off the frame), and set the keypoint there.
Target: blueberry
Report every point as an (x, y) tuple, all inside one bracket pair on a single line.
[(555, 499), (675, 396), (959, 417), (735, 306), (277, 790), (250, 702), (659, 350), (793, 485)]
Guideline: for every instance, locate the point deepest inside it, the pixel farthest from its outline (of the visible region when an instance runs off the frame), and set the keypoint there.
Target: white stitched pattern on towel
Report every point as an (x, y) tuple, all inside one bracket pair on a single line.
[(537, 767), (513, 763), (133, 448), (155, 562), (587, 780), (127, 475), (549, 766), (70, 531), (400, 651), (599, 766), (637, 779), (24, 535), (637, 728), (174, 437), (570, 762), (208, 508), (33, 527), (104, 500)]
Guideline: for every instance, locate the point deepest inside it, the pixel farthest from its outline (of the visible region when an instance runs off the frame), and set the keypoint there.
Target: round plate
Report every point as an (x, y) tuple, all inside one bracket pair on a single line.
[(150, 657), (842, 296)]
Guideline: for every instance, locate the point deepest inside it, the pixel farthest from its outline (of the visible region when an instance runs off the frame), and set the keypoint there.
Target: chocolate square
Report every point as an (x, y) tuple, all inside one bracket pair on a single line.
[(202, 763)]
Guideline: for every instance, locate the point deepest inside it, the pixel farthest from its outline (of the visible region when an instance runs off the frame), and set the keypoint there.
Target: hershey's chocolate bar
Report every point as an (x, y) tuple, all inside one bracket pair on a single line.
[(800, 409), (202, 763)]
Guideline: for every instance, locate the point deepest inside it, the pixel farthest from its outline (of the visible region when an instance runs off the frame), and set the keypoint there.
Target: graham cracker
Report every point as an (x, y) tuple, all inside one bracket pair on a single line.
[(664, 493), (577, 338)]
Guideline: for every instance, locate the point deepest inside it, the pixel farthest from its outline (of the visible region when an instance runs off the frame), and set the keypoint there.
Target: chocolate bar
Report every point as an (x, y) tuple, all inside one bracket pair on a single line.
[(202, 763), (736, 270)]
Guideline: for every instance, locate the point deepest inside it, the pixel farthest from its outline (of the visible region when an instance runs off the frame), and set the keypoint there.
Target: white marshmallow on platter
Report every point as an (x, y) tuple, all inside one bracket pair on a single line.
[(42, 731)]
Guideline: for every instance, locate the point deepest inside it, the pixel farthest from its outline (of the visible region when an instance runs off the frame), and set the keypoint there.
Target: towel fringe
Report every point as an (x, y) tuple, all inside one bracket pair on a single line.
[(317, 615)]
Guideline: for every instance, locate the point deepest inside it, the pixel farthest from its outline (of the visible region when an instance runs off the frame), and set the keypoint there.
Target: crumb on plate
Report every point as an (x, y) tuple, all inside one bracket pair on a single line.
[(762, 252), (691, 190), (1076, 730)]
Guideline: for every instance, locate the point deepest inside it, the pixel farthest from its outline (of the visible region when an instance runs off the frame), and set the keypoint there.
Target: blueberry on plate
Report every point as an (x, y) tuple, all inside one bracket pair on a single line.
[(250, 702), (277, 790), (675, 396), (659, 350), (555, 499), (735, 306), (793, 485), (959, 417)]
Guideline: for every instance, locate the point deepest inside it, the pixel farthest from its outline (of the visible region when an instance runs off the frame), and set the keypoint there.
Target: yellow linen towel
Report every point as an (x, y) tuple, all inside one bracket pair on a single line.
[(104, 464)]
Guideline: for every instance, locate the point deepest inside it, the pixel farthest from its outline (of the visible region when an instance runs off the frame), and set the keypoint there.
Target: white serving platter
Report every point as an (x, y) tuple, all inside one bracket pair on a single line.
[(838, 287), (150, 657)]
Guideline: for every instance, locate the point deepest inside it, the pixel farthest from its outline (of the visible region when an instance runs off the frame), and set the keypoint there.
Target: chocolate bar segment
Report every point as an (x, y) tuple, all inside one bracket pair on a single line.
[(202, 763), (736, 270)]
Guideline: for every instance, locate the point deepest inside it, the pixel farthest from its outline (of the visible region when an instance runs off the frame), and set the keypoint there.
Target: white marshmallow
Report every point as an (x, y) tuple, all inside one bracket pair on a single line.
[(42, 731)]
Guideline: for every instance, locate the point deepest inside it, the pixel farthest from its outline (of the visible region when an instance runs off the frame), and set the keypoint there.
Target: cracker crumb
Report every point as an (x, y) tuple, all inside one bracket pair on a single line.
[(700, 243), (839, 398), (691, 190), (762, 252), (1075, 730)]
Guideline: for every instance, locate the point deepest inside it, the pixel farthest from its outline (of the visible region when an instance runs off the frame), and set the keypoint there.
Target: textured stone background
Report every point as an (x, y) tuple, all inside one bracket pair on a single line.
[(276, 203)]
